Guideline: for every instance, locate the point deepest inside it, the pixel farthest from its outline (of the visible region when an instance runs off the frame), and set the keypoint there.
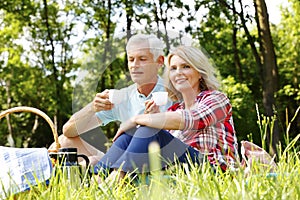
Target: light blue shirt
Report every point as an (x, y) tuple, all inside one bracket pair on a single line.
[(133, 104)]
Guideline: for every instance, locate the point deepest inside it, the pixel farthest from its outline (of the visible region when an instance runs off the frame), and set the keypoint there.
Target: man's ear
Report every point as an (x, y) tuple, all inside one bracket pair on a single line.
[(161, 60)]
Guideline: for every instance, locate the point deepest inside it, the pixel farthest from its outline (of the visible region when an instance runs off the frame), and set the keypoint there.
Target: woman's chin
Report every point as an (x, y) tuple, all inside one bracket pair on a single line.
[(183, 88)]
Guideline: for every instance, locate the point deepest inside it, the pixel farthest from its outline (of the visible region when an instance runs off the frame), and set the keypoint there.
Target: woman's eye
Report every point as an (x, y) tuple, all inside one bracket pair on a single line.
[(173, 68), (186, 67)]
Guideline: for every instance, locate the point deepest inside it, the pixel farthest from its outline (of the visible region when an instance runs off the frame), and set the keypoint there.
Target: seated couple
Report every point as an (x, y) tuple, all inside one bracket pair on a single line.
[(199, 124)]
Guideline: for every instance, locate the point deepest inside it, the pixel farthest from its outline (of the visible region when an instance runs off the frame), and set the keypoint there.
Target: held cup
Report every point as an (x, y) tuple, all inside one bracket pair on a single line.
[(160, 98), (116, 96)]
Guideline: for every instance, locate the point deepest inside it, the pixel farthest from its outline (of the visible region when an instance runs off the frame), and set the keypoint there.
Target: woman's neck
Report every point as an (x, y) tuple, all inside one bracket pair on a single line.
[(189, 98)]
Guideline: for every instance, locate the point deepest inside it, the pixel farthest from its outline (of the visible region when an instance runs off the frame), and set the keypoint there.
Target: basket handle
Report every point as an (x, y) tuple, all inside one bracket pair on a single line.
[(38, 112)]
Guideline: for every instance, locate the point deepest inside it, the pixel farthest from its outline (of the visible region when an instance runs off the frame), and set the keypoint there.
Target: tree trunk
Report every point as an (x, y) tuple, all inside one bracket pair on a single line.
[(161, 16), (10, 138), (55, 75), (237, 62), (251, 41), (269, 69), (129, 16)]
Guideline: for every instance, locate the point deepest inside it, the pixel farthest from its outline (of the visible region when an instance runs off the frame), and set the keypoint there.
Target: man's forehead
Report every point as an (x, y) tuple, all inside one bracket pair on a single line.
[(138, 43), (139, 50)]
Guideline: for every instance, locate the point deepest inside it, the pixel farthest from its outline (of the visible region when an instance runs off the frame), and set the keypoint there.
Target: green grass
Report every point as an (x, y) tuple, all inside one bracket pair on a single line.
[(184, 183), (181, 182)]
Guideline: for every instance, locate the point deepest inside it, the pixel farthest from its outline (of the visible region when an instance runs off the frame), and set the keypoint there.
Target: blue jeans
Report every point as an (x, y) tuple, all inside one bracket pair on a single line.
[(130, 151)]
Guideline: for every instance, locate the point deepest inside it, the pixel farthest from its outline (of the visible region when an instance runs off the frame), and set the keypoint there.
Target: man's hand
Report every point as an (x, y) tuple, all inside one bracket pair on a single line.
[(124, 127), (101, 101)]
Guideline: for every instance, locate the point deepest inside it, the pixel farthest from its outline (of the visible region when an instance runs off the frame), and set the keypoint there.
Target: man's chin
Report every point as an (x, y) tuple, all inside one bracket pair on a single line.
[(141, 80), (137, 79)]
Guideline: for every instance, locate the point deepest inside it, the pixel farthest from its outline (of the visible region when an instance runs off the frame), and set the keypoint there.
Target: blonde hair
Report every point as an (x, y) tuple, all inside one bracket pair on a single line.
[(200, 62), (155, 45)]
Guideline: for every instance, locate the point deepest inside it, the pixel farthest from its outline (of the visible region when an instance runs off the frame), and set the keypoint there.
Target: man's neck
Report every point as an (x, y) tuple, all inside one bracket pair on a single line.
[(145, 89)]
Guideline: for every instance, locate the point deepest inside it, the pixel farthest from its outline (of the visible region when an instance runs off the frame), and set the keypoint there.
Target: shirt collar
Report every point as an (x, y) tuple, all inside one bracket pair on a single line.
[(159, 86)]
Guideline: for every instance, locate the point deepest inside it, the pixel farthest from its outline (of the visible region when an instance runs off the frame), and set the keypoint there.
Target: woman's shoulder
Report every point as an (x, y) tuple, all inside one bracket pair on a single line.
[(175, 106), (211, 92), (212, 95)]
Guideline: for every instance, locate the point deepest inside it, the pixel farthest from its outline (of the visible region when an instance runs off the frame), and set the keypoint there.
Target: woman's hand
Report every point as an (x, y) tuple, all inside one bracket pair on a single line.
[(124, 127), (151, 107)]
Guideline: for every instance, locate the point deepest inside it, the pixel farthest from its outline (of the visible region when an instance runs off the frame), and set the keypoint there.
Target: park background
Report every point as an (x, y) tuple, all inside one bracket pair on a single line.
[(56, 55)]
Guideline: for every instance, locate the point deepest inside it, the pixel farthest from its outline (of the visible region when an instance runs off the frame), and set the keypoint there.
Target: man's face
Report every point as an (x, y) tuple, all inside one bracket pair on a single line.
[(142, 66)]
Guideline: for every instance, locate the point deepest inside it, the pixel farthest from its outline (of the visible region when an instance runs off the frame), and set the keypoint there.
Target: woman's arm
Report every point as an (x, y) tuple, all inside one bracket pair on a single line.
[(213, 107), (165, 120)]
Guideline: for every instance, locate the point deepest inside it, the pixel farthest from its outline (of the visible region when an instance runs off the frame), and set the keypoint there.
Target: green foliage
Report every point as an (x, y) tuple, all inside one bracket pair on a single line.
[(215, 41), (33, 72), (287, 46), (290, 92), (243, 107), (45, 45), (40, 56)]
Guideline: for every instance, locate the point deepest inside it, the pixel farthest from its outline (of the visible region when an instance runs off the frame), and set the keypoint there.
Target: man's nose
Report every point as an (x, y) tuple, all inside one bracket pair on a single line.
[(134, 64)]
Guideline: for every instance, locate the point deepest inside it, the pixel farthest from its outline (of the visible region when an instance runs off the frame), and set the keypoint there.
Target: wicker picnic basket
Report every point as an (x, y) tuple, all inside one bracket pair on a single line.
[(35, 111)]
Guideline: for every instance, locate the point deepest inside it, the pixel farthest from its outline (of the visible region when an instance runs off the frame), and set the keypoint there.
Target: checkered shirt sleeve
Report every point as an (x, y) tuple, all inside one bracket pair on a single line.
[(209, 128)]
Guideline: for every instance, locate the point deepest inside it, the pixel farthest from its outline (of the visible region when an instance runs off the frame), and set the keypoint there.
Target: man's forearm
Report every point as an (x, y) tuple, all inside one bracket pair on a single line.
[(82, 121)]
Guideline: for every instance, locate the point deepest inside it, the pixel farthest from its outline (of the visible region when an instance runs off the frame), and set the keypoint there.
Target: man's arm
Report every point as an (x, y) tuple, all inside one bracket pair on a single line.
[(82, 121), (85, 119)]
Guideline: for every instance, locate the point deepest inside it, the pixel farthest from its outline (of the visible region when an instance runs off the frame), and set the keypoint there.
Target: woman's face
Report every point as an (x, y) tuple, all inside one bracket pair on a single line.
[(183, 76)]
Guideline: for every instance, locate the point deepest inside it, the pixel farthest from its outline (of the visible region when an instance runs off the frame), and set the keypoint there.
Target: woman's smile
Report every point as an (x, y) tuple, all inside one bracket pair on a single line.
[(183, 76), (180, 80)]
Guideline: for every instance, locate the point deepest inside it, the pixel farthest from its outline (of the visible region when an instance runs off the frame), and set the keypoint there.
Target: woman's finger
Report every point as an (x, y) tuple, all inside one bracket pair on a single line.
[(119, 132)]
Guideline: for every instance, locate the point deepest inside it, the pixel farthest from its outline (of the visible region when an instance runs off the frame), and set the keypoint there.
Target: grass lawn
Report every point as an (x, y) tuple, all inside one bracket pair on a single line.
[(185, 183), (182, 182)]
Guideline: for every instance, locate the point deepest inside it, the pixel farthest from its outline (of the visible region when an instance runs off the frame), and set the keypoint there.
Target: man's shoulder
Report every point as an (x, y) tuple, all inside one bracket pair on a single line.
[(129, 89), (160, 86)]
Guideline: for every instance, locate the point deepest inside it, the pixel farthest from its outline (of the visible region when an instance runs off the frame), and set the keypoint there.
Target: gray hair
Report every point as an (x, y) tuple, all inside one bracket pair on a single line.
[(156, 46)]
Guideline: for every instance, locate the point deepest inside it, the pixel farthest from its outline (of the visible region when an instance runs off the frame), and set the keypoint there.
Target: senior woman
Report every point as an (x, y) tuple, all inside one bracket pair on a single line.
[(199, 125)]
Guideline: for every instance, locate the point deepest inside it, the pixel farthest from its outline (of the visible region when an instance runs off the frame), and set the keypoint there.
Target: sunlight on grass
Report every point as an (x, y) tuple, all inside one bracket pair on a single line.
[(183, 182)]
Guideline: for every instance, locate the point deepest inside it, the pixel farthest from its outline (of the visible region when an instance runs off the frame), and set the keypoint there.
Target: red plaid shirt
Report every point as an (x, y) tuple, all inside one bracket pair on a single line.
[(209, 128)]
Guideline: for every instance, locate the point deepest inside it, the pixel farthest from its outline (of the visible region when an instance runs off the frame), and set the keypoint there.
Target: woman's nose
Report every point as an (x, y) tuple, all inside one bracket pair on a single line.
[(178, 70)]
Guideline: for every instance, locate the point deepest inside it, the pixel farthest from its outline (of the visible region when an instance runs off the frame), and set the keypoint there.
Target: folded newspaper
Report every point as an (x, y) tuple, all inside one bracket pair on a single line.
[(22, 168)]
